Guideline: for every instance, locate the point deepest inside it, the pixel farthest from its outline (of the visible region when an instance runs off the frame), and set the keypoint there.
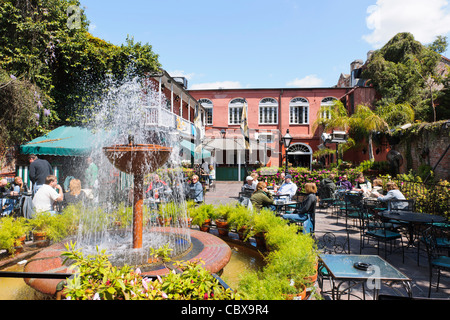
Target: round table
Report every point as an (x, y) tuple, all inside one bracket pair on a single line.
[(412, 218)]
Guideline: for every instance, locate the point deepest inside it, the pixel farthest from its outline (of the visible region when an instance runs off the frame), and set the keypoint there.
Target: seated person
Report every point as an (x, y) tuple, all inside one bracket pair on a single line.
[(75, 194), (377, 188), (345, 184), (17, 188), (282, 177), (47, 196), (255, 176), (6, 203), (308, 206), (393, 194), (328, 187), (156, 188), (262, 198), (18, 185), (288, 187), (362, 185), (248, 186), (195, 190)]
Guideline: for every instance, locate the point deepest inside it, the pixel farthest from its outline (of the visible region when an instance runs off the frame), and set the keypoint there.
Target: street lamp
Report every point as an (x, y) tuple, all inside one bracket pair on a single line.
[(287, 139)]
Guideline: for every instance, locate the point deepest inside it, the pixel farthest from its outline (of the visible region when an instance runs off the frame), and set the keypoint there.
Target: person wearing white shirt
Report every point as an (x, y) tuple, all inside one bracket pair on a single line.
[(46, 196), (288, 187)]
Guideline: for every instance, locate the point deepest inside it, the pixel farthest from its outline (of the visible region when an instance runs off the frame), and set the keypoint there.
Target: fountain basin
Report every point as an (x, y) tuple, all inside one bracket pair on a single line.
[(137, 159), (213, 251)]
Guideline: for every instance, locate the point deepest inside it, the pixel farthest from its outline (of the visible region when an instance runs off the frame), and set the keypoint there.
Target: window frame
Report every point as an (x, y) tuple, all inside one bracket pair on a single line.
[(235, 111), (327, 102), (208, 106), (270, 111), (302, 103)]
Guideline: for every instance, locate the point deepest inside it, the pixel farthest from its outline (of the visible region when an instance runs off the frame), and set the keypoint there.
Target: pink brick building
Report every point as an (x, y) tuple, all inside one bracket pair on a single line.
[(270, 113)]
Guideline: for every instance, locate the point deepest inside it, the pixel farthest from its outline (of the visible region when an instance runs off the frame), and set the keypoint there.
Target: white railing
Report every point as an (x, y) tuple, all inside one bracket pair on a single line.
[(160, 117), (157, 116)]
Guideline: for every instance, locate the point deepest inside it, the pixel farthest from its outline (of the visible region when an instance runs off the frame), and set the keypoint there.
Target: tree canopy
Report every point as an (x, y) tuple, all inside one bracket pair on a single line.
[(47, 43), (405, 71)]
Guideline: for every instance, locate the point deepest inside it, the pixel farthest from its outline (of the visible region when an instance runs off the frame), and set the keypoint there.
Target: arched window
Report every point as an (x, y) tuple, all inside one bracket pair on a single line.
[(326, 104), (300, 149), (235, 111), (208, 105), (299, 111), (268, 111)]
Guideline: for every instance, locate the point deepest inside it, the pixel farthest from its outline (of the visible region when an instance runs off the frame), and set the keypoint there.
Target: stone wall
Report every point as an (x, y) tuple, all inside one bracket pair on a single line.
[(425, 145)]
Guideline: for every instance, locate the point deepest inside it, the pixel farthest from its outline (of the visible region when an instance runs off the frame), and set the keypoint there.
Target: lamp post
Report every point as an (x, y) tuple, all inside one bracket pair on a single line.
[(286, 139)]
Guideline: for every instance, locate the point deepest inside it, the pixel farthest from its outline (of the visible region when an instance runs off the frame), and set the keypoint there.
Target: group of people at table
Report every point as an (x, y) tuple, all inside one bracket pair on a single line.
[(262, 197), (46, 193)]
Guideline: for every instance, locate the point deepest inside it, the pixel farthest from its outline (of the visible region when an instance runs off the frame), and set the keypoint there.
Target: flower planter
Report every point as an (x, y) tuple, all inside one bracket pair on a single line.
[(260, 239), (310, 280), (22, 239), (242, 232), (153, 260), (222, 227), (40, 238), (164, 222), (301, 295), (206, 225), (16, 250), (185, 222)]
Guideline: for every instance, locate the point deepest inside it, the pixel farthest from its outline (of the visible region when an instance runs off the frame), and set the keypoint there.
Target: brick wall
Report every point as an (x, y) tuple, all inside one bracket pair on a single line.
[(427, 147)]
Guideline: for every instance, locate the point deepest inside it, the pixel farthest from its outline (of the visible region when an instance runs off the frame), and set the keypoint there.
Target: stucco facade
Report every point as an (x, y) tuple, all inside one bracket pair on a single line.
[(272, 112)]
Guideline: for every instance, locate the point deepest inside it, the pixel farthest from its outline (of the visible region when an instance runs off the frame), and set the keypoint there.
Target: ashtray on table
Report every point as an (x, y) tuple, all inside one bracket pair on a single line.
[(361, 266)]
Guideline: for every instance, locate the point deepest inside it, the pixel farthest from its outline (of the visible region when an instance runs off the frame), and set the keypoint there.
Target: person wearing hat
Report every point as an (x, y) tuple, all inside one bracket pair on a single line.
[(248, 186), (288, 187)]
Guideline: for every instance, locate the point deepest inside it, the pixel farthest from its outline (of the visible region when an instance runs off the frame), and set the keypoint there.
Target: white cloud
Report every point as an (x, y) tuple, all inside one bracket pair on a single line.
[(181, 73), (424, 19), (217, 85), (92, 27), (306, 82)]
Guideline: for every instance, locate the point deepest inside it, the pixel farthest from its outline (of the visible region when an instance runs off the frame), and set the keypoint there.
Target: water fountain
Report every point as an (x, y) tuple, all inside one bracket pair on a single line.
[(122, 109), (137, 160)]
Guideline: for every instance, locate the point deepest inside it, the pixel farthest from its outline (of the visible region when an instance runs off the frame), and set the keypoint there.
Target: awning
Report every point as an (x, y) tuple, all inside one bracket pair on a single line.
[(66, 141), (191, 147)]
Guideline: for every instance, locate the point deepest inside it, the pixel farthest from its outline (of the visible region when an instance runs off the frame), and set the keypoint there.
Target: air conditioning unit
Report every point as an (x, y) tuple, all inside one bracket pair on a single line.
[(339, 137), (181, 80)]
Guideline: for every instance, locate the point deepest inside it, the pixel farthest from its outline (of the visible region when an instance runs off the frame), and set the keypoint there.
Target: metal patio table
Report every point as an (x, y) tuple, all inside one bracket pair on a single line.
[(341, 269), (281, 205), (412, 219)]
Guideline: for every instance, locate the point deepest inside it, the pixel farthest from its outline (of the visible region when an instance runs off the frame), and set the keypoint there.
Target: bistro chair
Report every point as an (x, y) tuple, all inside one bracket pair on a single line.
[(244, 198), (353, 207), (307, 221), (378, 231), (436, 260), (401, 205), (329, 244), (326, 196)]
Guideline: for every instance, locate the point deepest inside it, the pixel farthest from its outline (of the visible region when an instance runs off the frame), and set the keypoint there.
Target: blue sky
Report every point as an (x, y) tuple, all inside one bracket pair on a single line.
[(262, 43)]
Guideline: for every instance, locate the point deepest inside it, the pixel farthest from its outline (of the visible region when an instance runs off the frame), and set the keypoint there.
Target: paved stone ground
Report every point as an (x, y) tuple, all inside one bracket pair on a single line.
[(227, 192)]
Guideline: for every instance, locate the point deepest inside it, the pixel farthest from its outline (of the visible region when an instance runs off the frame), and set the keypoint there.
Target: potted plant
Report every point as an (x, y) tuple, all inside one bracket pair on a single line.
[(13, 233), (202, 216), (71, 216), (241, 219), (223, 212), (48, 226), (167, 212), (123, 216), (262, 223)]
